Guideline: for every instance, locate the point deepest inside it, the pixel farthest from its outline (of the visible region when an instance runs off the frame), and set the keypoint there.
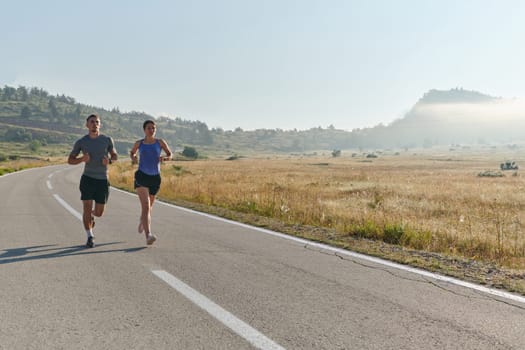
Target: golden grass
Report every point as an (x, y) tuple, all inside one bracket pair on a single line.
[(431, 202), (26, 163)]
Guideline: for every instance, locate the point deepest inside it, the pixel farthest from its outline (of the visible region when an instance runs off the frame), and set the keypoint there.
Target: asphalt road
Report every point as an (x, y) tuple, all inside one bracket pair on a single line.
[(209, 283)]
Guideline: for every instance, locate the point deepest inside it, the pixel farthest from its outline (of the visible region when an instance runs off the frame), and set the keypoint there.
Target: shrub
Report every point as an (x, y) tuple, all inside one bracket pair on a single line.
[(190, 152), (366, 229), (393, 233), (490, 173), (416, 239), (336, 153)]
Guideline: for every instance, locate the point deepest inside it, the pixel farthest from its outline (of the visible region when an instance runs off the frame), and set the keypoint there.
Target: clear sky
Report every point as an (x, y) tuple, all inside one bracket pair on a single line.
[(267, 63)]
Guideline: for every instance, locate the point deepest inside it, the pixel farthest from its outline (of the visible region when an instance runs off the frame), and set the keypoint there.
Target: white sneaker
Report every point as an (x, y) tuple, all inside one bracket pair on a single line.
[(151, 238)]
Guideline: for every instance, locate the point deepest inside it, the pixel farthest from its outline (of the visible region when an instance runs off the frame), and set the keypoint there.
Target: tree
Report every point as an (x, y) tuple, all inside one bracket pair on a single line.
[(25, 113), (35, 145), (53, 111), (190, 152), (22, 93), (18, 135), (9, 93)]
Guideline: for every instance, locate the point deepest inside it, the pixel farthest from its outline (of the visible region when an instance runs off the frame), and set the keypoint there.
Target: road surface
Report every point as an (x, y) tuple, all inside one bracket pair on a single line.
[(208, 283)]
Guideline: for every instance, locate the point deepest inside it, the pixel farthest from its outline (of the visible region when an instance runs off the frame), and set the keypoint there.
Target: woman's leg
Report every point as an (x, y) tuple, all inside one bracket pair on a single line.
[(145, 215), (150, 238), (141, 225)]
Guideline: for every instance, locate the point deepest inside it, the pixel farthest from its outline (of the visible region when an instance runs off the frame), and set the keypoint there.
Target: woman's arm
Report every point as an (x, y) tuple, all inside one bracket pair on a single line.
[(133, 153), (166, 149)]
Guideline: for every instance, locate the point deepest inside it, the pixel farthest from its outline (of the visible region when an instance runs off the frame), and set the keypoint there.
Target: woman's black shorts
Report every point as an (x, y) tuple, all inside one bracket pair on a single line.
[(94, 189), (152, 182)]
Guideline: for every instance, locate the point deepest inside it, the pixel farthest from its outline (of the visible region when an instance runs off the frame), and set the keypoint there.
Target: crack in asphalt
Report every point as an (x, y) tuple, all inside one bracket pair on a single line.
[(417, 280)]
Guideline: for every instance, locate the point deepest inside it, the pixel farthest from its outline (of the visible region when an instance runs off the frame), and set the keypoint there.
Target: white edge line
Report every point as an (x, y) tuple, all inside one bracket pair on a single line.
[(241, 328), (451, 280)]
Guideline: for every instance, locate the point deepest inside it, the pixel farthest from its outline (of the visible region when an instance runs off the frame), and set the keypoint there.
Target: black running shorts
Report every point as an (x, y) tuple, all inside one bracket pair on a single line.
[(152, 182), (94, 189)]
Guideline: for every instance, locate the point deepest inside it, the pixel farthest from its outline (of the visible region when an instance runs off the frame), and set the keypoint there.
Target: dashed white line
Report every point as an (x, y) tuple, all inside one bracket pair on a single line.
[(68, 207), (241, 328)]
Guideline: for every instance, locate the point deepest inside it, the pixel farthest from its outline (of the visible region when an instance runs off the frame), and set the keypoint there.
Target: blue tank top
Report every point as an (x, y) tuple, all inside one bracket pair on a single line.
[(149, 154)]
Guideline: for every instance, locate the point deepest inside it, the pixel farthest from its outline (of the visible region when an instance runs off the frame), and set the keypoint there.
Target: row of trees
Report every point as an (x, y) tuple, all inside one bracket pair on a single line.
[(35, 107), (26, 110), (22, 93)]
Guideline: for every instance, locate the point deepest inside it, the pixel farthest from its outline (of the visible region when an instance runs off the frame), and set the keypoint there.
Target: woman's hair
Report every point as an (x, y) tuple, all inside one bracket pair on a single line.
[(147, 122)]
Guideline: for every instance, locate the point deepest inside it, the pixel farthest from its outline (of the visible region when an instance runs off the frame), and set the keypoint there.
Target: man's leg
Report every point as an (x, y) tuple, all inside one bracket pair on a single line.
[(87, 219), (99, 209), (87, 214), (101, 198)]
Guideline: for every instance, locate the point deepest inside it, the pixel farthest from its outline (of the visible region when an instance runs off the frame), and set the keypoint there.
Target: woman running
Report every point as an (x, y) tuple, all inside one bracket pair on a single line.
[(147, 177)]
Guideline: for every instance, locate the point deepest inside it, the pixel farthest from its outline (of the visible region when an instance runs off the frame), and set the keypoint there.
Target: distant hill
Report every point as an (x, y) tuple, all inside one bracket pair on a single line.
[(460, 116), (439, 117), (29, 114), (457, 95)]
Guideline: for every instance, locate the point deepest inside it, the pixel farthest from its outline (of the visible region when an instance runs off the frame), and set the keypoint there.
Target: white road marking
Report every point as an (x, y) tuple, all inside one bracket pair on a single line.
[(451, 280), (49, 185), (241, 328), (68, 207), (435, 276)]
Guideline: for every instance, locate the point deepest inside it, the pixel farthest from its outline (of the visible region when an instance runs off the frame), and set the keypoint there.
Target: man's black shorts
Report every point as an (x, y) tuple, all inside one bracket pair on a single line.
[(152, 182), (94, 189)]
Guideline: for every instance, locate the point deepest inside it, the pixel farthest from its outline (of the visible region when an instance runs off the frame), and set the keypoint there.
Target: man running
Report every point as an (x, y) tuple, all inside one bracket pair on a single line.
[(94, 184)]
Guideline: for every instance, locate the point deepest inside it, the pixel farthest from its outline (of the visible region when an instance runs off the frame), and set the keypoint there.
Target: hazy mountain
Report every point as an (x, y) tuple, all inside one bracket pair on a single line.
[(457, 116), (440, 117)]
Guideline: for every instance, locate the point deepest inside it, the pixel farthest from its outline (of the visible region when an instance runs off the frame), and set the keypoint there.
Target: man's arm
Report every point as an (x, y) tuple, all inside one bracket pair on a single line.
[(74, 159), (114, 155)]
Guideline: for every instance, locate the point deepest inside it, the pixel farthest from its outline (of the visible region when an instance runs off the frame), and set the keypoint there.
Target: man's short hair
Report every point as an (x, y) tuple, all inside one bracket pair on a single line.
[(92, 116)]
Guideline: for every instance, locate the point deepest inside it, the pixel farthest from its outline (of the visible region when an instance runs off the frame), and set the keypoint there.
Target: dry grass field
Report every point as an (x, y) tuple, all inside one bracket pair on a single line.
[(10, 166), (428, 201), (430, 209)]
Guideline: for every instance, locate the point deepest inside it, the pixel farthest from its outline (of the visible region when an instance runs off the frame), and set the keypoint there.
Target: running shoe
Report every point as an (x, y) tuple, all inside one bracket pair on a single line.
[(90, 243), (151, 238)]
